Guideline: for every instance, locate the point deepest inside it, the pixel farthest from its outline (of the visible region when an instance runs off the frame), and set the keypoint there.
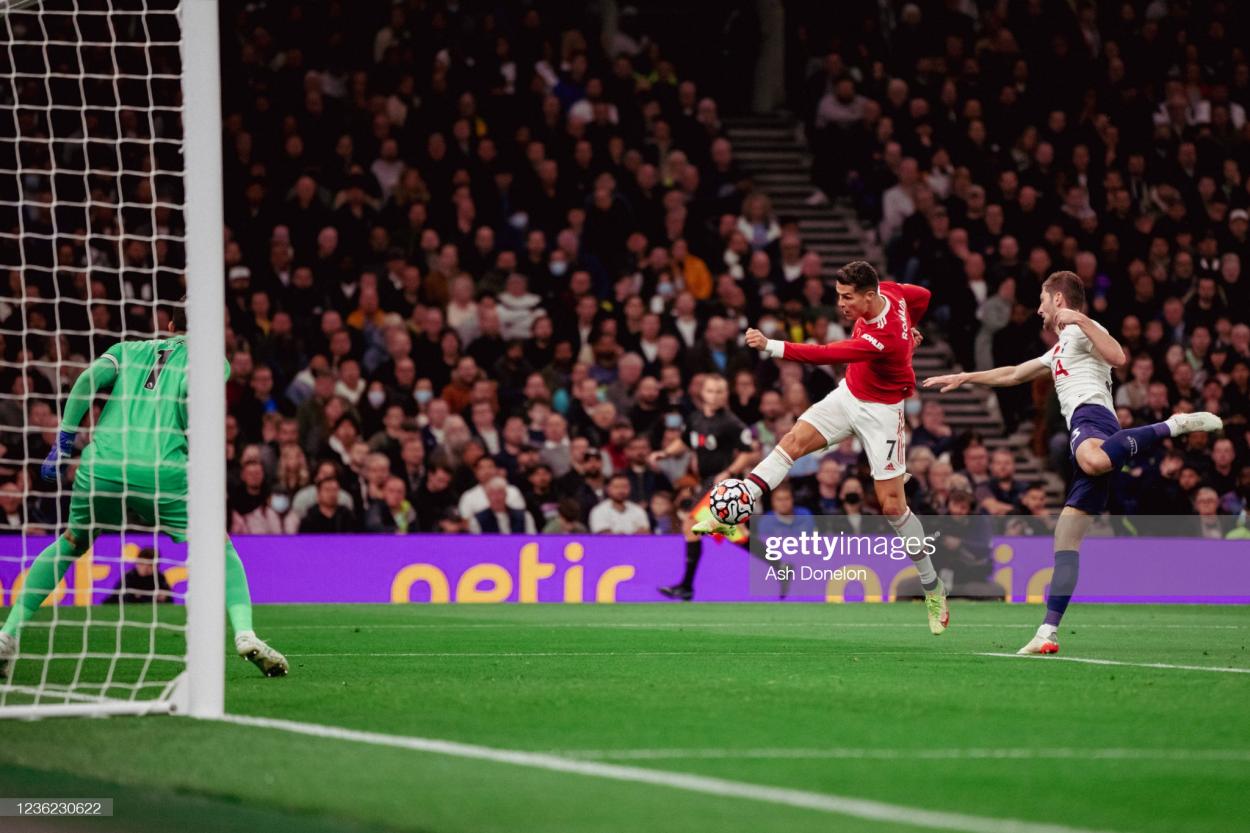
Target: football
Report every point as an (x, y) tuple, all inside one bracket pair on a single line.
[(731, 502)]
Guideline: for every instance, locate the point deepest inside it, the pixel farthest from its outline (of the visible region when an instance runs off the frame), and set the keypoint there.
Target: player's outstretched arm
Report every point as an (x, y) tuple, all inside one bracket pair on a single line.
[(100, 374), (1006, 376), (839, 352)]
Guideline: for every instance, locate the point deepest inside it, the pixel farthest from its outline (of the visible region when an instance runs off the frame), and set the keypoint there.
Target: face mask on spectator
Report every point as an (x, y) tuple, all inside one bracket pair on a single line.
[(558, 267), (672, 420), (280, 503), (664, 290), (912, 407), (422, 396), (377, 397)]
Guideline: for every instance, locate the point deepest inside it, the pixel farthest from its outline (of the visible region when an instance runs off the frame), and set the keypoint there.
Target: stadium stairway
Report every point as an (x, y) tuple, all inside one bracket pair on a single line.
[(773, 150)]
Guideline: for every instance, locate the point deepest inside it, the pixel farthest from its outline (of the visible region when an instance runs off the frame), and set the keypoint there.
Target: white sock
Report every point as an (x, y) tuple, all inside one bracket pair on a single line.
[(772, 470), (911, 530), (1047, 631), (242, 634)]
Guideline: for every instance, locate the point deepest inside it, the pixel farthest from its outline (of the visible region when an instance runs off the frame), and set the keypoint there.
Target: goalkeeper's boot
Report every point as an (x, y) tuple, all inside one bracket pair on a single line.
[(1197, 421), (8, 653), (710, 526), (1043, 642), (935, 605), (256, 651)]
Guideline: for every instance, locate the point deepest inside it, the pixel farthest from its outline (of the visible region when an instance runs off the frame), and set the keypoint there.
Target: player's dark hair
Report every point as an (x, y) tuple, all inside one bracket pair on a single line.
[(1069, 286), (859, 274)]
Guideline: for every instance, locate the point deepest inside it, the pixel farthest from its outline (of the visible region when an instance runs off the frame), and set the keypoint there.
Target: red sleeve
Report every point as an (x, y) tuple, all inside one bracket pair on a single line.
[(917, 301), (839, 352), (917, 298)]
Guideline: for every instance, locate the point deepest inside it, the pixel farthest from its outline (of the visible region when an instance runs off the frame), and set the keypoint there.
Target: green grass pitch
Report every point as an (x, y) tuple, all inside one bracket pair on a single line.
[(858, 701)]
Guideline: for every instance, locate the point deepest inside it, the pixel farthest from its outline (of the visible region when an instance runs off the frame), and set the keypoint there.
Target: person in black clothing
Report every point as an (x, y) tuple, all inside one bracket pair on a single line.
[(435, 497), (584, 481), (143, 583), (327, 515), (722, 446)]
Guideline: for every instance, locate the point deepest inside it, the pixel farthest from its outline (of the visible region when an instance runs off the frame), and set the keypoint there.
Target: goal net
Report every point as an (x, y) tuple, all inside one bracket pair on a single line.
[(103, 135)]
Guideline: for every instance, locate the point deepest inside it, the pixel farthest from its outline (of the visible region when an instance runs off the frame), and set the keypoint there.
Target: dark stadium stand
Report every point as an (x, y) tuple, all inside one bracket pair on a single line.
[(463, 246)]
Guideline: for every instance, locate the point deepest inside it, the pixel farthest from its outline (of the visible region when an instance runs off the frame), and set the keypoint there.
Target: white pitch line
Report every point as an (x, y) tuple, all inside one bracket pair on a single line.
[(602, 653), (873, 753), (695, 625), (878, 811), (1089, 661)]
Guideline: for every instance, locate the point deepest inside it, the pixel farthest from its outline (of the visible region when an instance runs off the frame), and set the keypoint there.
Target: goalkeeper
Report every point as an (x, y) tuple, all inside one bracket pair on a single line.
[(134, 468)]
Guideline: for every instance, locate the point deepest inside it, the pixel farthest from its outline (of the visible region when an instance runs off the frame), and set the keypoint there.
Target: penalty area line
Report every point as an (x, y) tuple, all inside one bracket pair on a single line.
[(1090, 661), (869, 810)]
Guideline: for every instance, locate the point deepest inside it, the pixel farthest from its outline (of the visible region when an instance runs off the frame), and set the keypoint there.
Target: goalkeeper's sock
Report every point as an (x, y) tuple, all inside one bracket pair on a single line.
[(42, 578), (911, 531), (1062, 585), (1124, 445), (771, 471), (238, 597)]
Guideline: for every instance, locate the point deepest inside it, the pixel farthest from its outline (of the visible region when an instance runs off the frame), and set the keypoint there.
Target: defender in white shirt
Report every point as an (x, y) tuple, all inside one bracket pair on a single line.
[(1080, 363)]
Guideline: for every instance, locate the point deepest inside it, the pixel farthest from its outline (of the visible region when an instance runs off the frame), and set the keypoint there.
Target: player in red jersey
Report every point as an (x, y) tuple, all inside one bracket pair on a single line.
[(868, 404)]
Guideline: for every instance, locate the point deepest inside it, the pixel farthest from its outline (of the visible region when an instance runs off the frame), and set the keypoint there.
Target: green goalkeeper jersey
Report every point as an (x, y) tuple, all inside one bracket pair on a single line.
[(140, 439)]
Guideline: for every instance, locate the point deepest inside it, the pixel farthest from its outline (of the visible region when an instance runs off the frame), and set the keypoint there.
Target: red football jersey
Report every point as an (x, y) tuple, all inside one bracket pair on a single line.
[(879, 351)]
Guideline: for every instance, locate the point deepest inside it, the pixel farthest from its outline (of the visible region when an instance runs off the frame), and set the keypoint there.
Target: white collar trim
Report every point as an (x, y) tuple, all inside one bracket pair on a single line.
[(880, 319)]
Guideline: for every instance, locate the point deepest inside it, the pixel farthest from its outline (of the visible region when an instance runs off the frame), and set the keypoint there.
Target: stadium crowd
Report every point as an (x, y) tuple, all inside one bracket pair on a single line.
[(479, 266)]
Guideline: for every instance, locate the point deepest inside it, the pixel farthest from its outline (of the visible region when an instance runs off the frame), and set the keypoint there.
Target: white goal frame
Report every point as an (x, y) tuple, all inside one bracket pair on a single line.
[(199, 691), (202, 693)]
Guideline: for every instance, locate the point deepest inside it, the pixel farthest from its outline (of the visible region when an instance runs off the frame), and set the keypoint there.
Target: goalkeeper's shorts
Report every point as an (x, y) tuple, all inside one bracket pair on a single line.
[(106, 503)]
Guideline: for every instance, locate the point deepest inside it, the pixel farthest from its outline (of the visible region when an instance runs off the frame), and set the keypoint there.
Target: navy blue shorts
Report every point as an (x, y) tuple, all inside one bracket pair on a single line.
[(1087, 493)]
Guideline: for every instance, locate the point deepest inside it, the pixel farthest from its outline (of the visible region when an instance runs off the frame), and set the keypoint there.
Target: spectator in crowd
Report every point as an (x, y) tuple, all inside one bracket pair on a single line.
[(12, 509), (568, 520), (499, 516), (392, 513), (327, 514), (476, 499), (663, 511), (250, 509), (1000, 494), (142, 584), (933, 432), (617, 514), (436, 497)]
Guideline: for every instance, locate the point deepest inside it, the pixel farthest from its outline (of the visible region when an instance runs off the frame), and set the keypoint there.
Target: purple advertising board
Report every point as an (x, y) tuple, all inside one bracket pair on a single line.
[(608, 569)]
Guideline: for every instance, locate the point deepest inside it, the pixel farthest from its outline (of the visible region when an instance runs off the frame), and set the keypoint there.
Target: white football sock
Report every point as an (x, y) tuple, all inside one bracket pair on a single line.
[(772, 470), (911, 530)]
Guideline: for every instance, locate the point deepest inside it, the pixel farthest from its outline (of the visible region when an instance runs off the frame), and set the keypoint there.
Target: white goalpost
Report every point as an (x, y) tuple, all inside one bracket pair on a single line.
[(110, 215)]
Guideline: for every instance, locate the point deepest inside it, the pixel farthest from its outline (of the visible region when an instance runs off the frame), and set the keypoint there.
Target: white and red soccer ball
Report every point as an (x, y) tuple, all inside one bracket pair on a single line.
[(731, 502)]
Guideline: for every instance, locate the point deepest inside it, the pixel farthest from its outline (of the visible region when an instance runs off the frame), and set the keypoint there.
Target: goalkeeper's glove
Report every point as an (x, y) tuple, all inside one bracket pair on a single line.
[(61, 451)]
